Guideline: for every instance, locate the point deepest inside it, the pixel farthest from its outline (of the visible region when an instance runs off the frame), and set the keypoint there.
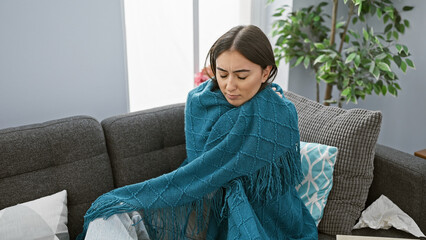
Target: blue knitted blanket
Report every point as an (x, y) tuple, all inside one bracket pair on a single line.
[(242, 165)]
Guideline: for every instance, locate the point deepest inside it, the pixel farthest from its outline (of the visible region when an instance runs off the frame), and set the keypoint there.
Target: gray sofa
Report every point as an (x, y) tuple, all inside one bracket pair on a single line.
[(88, 158)]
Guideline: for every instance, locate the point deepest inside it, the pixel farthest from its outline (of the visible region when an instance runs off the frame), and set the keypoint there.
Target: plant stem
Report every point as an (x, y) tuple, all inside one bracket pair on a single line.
[(317, 85), (342, 40), (329, 87), (318, 91), (351, 11), (333, 22)]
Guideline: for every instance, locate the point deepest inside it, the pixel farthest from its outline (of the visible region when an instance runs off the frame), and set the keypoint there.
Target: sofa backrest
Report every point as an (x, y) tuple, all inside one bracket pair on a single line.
[(145, 144), (41, 159)]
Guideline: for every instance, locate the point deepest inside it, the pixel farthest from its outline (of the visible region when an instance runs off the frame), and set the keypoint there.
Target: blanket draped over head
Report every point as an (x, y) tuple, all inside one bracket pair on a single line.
[(242, 164)]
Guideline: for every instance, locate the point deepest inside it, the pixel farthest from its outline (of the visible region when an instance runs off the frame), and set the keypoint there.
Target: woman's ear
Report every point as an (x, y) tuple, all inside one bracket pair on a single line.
[(265, 73)]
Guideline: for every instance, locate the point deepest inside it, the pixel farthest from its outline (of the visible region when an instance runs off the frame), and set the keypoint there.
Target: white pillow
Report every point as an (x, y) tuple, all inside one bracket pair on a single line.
[(43, 218)]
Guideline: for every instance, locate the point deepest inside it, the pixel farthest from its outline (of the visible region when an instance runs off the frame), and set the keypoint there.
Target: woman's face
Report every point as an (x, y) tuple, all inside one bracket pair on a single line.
[(238, 78)]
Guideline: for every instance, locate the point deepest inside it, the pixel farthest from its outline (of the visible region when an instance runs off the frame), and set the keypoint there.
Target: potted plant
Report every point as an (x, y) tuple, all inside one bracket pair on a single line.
[(349, 54)]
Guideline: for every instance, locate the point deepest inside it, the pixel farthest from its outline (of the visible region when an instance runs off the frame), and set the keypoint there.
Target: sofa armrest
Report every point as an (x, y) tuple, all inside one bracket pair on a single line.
[(402, 178)]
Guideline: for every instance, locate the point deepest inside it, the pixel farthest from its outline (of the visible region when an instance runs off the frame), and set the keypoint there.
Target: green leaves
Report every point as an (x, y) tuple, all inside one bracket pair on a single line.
[(346, 92), (306, 62), (320, 59), (407, 23), (403, 66), (372, 67), (397, 59), (410, 63), (365, 33), (359, 3), (298, 61), (402, 48), (376, 73), (407, 8), (388, 27), (383, 66), (350, 58), (379, 13), (340, 24), (367, 61), (384, 90), (392, 90), (319, 46), (381, 56)]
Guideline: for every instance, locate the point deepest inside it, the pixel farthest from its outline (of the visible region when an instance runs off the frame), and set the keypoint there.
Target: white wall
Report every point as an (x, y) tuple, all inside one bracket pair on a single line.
[(404, 117), (60, 58)]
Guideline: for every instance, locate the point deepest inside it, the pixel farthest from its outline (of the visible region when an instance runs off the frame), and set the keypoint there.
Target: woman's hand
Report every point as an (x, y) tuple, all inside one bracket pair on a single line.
[(279, 94)]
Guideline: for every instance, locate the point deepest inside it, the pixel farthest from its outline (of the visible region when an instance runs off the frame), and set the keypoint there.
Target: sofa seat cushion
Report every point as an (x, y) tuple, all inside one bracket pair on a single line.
[(354, 132), (41, 159)]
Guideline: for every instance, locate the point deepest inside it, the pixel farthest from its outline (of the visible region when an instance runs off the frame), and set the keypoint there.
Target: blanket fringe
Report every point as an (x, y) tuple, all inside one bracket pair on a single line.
[(267, 183), (172, 223), (276, 178)]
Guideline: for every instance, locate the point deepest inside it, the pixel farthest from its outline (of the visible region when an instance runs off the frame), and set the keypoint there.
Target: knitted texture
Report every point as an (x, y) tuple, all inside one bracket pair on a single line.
[(354, 132), (242, 163)]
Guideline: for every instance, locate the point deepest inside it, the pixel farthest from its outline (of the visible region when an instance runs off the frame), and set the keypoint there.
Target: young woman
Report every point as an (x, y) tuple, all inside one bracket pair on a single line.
[(242, 165)]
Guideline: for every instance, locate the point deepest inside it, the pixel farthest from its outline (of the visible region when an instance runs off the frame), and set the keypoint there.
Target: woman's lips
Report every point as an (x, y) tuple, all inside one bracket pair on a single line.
[(232, 97)]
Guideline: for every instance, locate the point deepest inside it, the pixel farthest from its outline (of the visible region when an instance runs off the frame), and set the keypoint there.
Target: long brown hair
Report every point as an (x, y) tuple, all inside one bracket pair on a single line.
[(252, 43)]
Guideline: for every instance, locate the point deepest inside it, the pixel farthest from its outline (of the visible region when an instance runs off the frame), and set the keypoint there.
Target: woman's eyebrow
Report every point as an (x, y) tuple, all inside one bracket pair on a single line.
[(237, 71), (242, 70), (221, 69)]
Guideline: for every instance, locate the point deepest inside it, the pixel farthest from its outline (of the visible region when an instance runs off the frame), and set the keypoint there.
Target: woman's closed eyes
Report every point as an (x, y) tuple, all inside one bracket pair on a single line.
[(225, 76), (224, 73)]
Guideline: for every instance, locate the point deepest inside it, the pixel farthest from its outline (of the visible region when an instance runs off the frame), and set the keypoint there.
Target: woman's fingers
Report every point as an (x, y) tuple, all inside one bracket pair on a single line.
[(279, 94)]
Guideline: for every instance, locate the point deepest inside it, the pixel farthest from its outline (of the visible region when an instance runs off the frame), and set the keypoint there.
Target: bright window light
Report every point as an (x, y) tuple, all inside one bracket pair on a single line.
[(159, 38), (160, 45), (217, 17)]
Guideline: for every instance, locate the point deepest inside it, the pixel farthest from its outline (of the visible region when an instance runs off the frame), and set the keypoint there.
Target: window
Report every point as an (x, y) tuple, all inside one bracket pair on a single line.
[(160, 45), (159, 51), (167, 42), (217, 17)]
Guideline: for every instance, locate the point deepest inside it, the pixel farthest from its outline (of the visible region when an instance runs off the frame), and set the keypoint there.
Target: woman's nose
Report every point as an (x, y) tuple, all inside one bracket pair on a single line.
[(231, 85)]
